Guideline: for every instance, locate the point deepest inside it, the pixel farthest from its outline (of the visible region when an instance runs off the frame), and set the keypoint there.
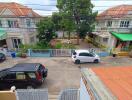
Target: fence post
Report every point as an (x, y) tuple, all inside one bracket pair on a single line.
[(29, 52), (50, 50)]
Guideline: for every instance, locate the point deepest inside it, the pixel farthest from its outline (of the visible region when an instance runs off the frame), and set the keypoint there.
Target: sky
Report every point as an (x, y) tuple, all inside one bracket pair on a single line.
[(46, 7)]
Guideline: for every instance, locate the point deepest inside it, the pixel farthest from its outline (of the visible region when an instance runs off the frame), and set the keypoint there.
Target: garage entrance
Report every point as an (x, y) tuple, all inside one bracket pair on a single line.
[(2, 43)]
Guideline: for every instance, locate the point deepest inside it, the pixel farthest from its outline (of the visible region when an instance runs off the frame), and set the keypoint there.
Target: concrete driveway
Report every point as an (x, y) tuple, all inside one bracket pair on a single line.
[(62, 72)]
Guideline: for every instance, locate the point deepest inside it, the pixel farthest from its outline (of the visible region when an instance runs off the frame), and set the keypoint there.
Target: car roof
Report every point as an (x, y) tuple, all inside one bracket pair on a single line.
[(80, 51), (25, 67)]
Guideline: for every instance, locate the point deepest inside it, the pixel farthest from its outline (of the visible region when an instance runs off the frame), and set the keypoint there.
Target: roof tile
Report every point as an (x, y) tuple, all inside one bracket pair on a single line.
[(118, 80), (116, 12), (18, 9)]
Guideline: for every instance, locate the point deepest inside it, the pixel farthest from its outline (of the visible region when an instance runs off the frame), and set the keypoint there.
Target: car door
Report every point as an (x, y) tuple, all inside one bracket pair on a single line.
[(82, 57), (20, 81), (89, 57), (8, 80), (86, 57)]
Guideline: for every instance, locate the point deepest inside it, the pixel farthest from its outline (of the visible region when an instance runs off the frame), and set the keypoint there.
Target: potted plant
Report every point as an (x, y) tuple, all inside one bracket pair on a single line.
[(23, 55)]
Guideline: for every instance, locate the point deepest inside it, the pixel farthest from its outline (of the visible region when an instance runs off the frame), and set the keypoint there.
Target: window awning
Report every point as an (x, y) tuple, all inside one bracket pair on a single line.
[(3, 34), (123, 36)]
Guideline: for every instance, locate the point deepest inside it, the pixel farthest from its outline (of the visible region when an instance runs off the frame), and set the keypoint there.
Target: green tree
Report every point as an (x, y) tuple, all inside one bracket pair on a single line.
[(56, 18), (67, 23), (80, 11), (45, 31)]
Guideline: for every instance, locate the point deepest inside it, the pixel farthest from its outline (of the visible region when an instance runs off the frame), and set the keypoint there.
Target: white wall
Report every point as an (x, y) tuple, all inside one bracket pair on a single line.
[(83, 91), (112, 42), (9, 43), (115, 24)]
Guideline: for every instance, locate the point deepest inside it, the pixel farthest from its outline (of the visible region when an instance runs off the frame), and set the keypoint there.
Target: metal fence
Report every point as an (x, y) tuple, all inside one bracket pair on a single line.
[(50, 52), (39, 52), (69, 94), (32, 94), (62, 52)]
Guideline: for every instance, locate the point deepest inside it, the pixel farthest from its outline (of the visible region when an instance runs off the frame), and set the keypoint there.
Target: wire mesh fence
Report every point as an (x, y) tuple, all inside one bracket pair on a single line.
[(69, 94), (32, 94)]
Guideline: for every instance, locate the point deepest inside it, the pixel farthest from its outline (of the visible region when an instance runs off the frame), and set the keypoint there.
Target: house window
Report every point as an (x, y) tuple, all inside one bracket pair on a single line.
[(124, 24), (105, 39), (0, 23), (109, 23), (28, 22), (32, 39), (13, 24)]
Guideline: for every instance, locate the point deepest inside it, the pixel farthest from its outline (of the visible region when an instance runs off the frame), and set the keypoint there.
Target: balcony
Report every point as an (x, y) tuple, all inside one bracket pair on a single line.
[(20, 30), (108, 29)]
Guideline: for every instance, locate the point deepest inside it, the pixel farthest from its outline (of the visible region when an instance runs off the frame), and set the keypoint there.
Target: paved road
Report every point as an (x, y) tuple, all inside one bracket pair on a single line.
[(63, 73)]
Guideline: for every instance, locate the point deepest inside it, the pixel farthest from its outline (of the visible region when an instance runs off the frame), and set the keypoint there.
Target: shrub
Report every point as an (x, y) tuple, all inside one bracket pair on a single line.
[(58, 45), (19, 54)]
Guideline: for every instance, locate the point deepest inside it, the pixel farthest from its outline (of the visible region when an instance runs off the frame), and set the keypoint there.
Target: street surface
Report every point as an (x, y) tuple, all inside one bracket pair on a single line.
[(62, 72)]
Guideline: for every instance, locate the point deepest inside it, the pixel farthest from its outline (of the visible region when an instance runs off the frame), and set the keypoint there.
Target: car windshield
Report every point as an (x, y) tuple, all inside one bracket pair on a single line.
[(93, 54)]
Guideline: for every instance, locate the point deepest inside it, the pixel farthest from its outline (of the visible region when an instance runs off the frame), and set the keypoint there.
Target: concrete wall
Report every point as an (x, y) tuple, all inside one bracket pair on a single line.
[(9, 43), (83, 92), (7, 95), (112, 41)]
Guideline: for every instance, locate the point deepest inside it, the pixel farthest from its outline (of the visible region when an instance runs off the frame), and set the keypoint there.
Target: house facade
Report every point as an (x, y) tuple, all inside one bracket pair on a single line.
[(116, 19), (17, 25)]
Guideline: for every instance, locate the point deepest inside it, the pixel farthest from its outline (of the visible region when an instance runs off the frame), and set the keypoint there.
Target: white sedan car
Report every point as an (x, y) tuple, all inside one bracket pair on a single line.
[(80, 56)]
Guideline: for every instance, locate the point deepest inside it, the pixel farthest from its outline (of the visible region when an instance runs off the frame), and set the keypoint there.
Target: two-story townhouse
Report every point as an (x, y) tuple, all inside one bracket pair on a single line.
[(17, 25), (114, 27)]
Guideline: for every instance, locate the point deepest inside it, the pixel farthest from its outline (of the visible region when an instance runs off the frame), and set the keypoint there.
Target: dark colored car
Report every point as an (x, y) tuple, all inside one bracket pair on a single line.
[(24, 75), (2, 57)]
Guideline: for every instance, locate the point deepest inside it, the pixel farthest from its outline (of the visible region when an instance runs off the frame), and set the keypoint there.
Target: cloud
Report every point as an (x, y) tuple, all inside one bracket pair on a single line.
[(42, 7)]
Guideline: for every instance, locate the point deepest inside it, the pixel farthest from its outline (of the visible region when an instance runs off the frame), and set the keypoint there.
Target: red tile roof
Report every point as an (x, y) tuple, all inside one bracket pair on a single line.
[(116, 12), (118, 80), (18, 10)]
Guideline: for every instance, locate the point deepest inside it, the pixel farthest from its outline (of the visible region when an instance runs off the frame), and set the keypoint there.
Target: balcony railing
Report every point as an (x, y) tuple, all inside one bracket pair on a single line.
[(123, 30), (19, 30)]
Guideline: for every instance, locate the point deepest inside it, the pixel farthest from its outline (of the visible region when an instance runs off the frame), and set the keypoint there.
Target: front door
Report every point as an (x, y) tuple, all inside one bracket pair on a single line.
[(16, 42)]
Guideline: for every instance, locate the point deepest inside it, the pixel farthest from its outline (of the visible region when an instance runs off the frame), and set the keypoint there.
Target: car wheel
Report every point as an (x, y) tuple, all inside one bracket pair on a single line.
[(30, 87), (77, 61), (96, 61)]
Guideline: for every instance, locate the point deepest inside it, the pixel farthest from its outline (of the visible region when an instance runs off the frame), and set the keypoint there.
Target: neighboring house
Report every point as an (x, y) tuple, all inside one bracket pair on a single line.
[(17, 25), (111, 22)]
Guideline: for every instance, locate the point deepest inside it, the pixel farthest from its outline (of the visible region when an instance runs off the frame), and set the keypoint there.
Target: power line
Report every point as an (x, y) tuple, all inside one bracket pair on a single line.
[(58, 10), (88, 17), (55, 5)]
